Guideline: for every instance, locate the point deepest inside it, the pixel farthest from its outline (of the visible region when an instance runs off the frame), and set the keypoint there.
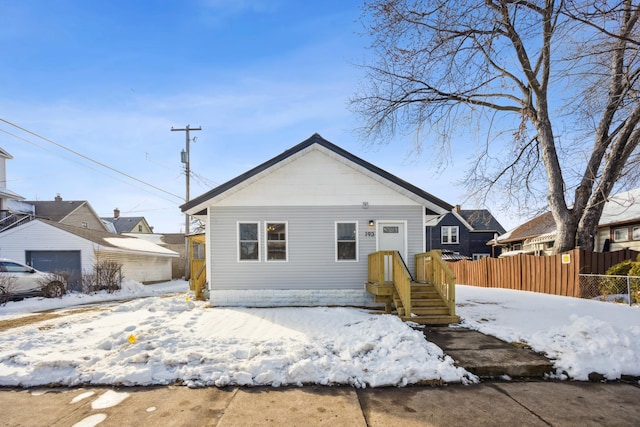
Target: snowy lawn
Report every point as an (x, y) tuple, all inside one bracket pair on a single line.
[(161, 339), (580, 336)]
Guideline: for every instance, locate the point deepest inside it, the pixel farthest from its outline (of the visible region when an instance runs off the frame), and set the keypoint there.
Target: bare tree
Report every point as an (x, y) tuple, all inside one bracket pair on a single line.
[(553, 84)]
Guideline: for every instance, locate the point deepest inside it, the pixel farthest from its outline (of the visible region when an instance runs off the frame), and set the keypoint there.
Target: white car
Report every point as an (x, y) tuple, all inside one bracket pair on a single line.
[(19, 280)]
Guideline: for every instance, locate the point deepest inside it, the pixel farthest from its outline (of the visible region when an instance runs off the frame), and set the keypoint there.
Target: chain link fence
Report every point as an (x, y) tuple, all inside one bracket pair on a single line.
[(625, 289)]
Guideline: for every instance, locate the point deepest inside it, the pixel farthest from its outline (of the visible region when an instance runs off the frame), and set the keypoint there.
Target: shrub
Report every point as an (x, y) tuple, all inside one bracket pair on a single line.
[(618, 285), (53, 285), (108, 276), (6, 288), (635, 282)]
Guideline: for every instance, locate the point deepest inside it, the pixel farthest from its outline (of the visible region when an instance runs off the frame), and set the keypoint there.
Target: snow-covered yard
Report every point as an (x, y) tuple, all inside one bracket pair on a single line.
[(164, 339)]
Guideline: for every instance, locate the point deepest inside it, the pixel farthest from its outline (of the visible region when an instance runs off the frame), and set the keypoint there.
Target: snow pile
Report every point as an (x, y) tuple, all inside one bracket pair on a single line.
[(173, 339), (130, 289), (580, 336)]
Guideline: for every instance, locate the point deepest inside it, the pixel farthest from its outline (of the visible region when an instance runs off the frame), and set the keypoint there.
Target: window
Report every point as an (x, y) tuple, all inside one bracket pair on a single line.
[(276, 241), (346, 241), (620, 234), (85, 224), (636, 233), (480, 256), (248, 241), (139, 228), (449, 234), (12, 267), (198, 250)]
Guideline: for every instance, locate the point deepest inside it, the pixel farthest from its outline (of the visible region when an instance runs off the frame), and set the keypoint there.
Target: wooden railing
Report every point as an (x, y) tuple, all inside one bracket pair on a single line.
[(387, 267), (431, 269), (198, 278)]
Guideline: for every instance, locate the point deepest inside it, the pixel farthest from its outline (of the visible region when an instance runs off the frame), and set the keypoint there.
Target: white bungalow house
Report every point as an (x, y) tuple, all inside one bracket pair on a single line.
[(298, 229), (52, 246)]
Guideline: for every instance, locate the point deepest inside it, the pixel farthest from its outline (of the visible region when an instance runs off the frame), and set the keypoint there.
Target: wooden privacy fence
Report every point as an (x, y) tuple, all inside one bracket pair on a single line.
[(556, 274)]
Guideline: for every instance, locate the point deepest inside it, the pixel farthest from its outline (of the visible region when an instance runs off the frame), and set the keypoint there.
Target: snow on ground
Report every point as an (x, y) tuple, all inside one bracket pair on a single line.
[(580, 336), (162, 339), (130, 289)]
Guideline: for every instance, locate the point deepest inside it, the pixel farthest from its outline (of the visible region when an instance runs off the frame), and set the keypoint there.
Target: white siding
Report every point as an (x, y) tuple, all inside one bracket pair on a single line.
[(314, 179), (38, 236), (311, 246), (141, 268)]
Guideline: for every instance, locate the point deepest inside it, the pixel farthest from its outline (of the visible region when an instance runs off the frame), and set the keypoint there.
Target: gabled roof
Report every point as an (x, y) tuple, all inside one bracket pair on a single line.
[(8, 194), (314, 139), (124, 224), (108, 240), (5, 154), (621, 208), (56, 210), (541, 224), (481, 220)]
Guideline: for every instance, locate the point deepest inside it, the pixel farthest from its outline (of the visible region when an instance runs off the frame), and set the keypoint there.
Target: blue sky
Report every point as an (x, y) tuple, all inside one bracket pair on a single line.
[(109, 79)]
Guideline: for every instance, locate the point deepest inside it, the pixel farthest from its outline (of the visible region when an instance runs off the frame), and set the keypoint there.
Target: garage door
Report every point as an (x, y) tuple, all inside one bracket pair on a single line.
[(54, 261)]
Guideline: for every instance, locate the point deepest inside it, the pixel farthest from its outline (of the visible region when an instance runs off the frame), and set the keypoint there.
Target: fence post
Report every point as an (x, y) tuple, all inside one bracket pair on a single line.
[(629, 289)]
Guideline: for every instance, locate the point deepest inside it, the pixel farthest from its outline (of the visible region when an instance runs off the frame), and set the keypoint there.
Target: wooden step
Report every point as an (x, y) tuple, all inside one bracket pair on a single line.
[(432, 319), (427, 302), (421, 295), (423, 311)]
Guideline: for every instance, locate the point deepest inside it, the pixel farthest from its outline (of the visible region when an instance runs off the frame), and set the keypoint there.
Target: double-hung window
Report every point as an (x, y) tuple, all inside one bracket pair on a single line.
[(276, 241), (449, 235), (346, 241), (248, 241)]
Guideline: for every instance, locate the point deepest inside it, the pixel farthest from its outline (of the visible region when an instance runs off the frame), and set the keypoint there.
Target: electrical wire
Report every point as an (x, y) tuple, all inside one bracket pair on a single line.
[(85, 165), (89, 158)]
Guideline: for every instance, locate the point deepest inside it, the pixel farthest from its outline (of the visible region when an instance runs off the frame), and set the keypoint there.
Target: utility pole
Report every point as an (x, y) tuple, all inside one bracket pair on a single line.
[(185, 159)]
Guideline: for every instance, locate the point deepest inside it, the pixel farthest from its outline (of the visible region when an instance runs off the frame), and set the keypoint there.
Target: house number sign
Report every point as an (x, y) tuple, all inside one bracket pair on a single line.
[(369, 234)]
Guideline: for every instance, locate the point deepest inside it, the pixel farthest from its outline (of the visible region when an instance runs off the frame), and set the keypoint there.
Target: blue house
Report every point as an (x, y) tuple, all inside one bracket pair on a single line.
[(462, 233)]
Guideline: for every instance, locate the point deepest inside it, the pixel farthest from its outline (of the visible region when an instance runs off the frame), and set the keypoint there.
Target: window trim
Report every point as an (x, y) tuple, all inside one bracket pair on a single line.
[(335, 240), (613, 234), (448, 228), (238, 241), (286, 241)]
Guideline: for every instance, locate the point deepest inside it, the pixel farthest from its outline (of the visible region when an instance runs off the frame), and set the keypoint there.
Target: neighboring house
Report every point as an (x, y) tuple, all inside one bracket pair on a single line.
[(6, 196), (76, 213), (462, 233), (618, 228), (535, 236), (53, 246), (127, 224), (298, 229)]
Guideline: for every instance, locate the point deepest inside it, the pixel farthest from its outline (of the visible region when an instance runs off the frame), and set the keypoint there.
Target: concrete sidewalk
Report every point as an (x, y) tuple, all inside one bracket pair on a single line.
[(487, 356), (532, 403)]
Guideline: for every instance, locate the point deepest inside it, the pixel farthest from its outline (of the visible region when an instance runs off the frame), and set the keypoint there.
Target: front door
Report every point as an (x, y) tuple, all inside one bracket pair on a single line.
[(391, 237)]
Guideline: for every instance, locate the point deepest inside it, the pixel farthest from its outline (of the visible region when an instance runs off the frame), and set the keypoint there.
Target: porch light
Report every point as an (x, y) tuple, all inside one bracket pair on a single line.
[(371, 223)]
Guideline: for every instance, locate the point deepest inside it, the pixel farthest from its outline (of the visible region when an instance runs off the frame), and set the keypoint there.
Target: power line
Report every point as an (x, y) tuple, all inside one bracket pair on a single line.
[(89, 158), (81, 164)]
